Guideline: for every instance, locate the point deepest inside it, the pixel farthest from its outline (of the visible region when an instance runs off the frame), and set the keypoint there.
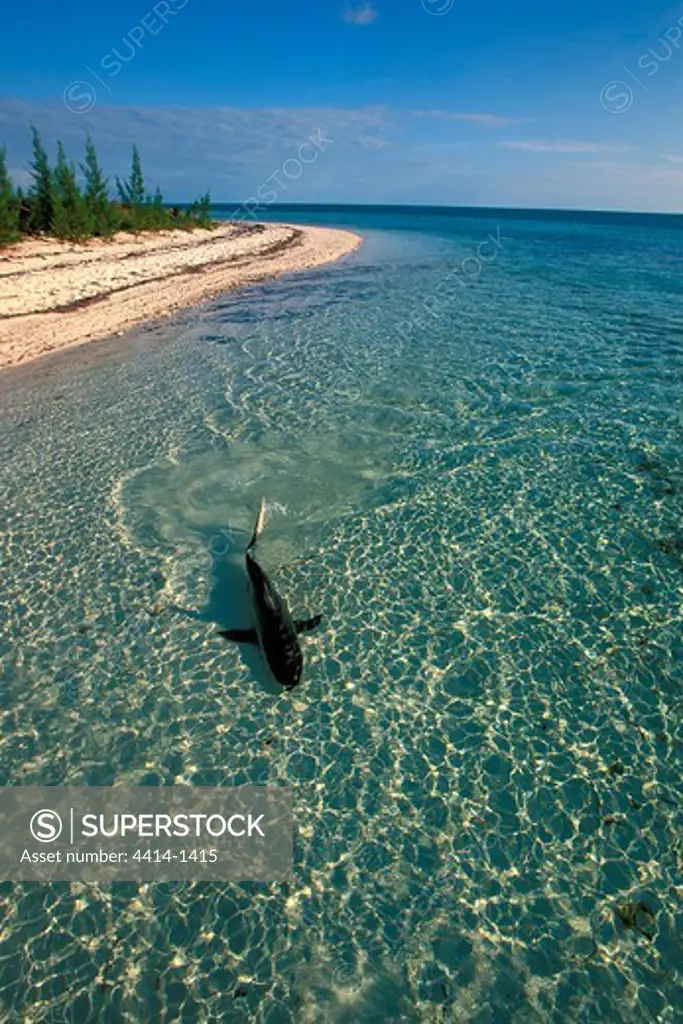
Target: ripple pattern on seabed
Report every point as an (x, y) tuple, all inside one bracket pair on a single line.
[(485, 748)]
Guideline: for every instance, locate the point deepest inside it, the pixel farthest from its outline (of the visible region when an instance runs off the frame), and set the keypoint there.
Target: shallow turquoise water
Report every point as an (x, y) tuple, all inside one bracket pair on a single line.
[(487, 507)]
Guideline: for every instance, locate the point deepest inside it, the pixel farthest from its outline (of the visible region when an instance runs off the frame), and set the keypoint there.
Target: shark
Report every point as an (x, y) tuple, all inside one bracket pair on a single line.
[(275, 631)]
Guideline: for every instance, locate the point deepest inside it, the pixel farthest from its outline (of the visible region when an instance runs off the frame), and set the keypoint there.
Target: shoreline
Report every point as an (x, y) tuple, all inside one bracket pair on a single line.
[(58, 295)]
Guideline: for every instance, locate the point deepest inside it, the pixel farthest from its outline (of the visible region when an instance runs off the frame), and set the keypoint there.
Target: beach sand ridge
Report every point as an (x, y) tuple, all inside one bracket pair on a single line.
[(54, 295)]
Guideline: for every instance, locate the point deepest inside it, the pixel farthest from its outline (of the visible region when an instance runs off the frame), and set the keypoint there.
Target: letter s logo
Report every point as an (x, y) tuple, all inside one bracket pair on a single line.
[(79, 97), (46, 826), (616, 97)]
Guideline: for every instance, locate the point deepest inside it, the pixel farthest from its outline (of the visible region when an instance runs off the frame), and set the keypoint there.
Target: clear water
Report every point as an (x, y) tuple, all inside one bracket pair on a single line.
[(487, 507)]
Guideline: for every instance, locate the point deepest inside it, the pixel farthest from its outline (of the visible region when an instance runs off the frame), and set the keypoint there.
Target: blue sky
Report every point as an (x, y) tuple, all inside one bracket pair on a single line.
[(575, 104)]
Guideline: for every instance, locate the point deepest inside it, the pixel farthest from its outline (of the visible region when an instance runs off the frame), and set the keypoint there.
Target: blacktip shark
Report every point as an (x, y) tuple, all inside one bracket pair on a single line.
[(276, 632)]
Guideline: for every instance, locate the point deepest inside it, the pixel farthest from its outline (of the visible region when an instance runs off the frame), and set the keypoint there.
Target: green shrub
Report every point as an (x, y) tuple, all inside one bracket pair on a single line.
[(9, 206), (42, 192), (56, 205), (100, 208), (71, 217)]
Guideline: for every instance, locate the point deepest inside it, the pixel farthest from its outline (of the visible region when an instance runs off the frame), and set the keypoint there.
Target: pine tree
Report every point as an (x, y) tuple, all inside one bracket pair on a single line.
[(136, 182), (56, 205), (132, 192), (9, 207), (23, 212), (42, 194), (96, 192), (71, 218), (59, 225)]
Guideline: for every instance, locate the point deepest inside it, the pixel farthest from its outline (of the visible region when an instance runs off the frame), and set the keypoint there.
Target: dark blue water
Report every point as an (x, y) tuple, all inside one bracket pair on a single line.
[(470, 434)]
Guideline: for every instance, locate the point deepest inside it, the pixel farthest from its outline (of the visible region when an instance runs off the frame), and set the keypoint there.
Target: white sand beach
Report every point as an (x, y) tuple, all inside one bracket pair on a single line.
[(54, 295)]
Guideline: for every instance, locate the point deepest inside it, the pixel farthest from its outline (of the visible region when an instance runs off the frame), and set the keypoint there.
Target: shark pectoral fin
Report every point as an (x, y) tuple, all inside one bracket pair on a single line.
[(239, 636), (306, 625)]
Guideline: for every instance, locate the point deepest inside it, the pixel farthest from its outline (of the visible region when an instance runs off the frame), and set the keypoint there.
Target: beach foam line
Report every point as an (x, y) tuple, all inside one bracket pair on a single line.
[(56, 295)]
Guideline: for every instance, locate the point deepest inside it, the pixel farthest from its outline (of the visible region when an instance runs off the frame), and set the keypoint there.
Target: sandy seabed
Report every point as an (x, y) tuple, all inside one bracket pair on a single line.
[(54, 295)]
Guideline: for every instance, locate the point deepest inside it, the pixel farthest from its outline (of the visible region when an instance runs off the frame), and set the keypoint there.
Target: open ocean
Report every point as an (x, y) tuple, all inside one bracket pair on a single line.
[(470, 436)]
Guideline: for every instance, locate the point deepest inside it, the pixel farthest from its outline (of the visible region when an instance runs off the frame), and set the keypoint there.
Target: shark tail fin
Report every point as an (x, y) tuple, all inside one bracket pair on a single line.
[(260, 523)]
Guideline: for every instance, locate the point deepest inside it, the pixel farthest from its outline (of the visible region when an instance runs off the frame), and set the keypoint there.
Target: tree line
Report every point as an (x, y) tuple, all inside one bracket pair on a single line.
[(57, 205)]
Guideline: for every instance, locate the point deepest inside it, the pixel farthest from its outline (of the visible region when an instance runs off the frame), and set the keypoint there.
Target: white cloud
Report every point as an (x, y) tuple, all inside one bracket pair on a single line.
[(230, 150), (562, 146), (373, 142), (490, 120), (20, 177), (373, 158), (639, 174), (675, 159), (364, 14)]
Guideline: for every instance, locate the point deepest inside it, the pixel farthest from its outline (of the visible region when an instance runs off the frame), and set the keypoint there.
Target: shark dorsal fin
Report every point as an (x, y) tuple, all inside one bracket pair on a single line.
[(260, 523)]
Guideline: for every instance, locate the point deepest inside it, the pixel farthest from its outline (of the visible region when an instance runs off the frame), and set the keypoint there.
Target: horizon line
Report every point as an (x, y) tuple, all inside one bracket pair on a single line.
[(436, 206)]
